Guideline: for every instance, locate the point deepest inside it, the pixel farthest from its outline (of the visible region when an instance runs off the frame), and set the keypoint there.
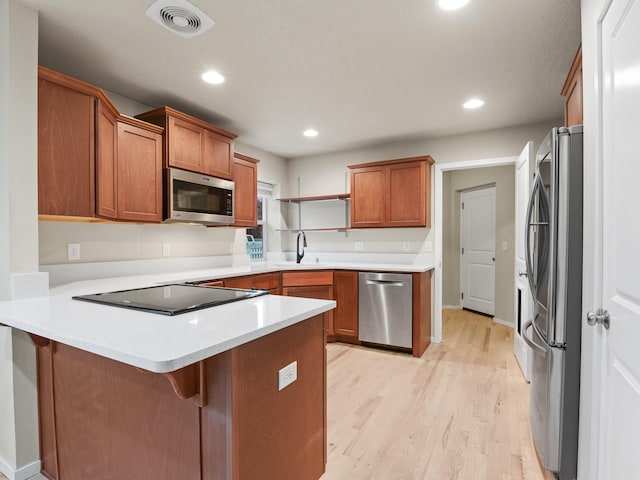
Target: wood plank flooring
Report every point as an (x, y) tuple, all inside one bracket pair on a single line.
[(459, 412)]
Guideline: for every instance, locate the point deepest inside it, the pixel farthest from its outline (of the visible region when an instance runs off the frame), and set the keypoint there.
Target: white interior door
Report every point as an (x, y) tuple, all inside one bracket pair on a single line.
[(620, 380), (477, 249), (522, 301)]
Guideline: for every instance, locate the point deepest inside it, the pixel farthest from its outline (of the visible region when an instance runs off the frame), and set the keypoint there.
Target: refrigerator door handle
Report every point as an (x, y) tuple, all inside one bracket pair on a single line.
[(527, 238), (530, 342)]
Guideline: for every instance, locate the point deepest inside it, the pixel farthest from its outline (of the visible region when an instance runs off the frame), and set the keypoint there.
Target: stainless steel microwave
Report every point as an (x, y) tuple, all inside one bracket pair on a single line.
[(196, 198)]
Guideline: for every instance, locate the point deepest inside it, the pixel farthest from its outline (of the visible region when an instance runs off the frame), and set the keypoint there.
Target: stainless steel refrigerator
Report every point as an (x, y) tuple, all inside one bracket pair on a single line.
[(554, 269)]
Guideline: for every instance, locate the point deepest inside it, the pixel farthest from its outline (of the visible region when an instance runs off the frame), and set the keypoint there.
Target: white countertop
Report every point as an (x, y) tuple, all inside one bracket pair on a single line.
[(162, 343), (157, 343)]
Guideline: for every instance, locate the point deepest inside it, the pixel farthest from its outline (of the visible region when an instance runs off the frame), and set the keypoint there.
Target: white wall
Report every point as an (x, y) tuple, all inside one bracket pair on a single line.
[(18, 231), (328, 173), (453, 183)]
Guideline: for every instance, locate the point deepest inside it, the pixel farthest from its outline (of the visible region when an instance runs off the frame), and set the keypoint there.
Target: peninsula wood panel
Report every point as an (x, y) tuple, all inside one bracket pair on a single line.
[(46, 418), (245, 177), (139, 178), (267, 422), (345, 315), (66, 146), (106, 410)]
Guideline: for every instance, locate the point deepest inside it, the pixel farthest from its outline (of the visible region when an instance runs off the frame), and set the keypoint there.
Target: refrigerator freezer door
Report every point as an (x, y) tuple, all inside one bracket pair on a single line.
[(546, 400)]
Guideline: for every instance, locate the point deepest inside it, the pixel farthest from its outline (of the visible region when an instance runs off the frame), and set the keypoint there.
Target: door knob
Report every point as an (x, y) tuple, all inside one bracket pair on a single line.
[(523, 274), (599, 316)]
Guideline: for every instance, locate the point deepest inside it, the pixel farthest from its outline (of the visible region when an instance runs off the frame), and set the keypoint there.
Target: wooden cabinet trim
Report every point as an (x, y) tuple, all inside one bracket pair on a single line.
[(246, 158), (423, 158), (575, 65), (160, 115), (421, 312)]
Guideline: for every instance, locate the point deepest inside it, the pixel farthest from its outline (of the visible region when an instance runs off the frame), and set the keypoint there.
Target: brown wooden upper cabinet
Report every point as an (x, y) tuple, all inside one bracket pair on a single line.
[(193, 144), (91, 160), (245, 174), (572, 91), (392, 193)]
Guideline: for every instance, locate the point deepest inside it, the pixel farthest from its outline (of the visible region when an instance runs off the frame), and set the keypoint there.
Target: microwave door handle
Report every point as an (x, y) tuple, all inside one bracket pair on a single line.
[(527, 239)]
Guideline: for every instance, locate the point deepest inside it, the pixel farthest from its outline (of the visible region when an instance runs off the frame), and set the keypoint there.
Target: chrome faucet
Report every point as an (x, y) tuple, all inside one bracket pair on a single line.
[(300, 254)]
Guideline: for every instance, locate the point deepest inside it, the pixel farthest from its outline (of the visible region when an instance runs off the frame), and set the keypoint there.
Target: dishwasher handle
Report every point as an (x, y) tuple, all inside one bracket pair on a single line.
[(386, 283)]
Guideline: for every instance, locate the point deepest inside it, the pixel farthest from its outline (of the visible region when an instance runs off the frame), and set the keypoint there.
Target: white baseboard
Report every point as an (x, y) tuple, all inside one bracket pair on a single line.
[(452, 307), (503, 322), (28, 472), (434, 340)]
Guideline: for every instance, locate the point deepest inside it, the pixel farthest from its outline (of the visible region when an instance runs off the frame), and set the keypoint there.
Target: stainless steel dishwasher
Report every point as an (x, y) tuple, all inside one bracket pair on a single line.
[(385, 308)]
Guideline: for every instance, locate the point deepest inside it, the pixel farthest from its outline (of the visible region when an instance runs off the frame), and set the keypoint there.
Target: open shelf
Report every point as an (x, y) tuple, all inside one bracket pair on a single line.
[(329, 229), (335, 196)]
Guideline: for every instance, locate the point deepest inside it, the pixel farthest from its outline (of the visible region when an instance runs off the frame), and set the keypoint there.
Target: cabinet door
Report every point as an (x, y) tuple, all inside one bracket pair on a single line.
[(218, 155), (368, 197), (245, 175), (139, 174), (185, 144), (345, 288), (572, 91), (106, 162), (324, 292), (407, 195), (66, 150)]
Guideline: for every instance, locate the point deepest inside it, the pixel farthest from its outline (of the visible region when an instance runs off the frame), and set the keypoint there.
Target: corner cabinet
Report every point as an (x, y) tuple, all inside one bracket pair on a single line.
[(572, 91), (245, 177), (92, 161), (193, 144), (392, 193)]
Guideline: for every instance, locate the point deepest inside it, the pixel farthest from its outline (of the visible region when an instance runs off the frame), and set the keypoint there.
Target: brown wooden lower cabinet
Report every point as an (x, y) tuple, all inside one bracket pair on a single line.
[(311, 284), (102, 419), (345, 315)]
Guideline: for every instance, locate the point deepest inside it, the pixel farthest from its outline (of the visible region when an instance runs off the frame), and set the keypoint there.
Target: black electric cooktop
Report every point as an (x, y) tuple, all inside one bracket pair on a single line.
[(171, 299)]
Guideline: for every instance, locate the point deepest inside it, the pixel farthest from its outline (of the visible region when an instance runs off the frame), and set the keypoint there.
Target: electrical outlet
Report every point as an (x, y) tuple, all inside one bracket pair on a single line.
[(358, 246), (504, 246), (406, 246), (231, 248), (73, 251), (287, 375), (166, 249), (428, 246)]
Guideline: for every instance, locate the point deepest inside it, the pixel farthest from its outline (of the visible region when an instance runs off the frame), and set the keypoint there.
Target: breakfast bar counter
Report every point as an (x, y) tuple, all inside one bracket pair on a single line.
[(218, 393)]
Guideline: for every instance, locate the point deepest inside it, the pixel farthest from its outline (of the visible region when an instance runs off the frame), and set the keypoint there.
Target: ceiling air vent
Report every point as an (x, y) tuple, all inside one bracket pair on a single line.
[(180, 17)]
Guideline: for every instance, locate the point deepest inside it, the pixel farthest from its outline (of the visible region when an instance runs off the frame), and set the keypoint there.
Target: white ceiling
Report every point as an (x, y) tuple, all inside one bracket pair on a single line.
[(359, 71)]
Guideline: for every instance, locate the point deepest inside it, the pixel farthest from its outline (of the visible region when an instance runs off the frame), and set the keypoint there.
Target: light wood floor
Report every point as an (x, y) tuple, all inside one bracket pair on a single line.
[(459, 412)]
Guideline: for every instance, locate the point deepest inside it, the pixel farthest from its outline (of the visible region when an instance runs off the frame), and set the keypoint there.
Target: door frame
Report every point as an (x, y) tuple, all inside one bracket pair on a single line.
[(462, 228), (438, 196)]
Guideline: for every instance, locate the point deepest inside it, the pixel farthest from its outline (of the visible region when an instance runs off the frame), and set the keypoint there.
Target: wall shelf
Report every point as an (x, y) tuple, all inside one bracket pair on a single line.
[(343, 197), (336, 196)]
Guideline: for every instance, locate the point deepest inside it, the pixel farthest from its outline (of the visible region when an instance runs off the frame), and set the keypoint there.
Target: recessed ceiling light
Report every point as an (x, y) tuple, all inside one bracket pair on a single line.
[(310, 132), (452, 4), (473, 103), (212, 77)]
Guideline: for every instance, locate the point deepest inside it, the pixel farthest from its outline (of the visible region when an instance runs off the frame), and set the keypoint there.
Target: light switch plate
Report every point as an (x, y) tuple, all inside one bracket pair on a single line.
[(287, 375), (358, 246)]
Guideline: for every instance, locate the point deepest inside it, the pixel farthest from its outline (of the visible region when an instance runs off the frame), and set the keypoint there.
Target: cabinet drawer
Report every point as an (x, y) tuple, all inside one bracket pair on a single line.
[(307, 278), (265, 281)]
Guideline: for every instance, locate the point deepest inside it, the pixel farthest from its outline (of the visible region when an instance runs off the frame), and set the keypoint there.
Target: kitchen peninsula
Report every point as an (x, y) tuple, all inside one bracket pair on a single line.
[(130, 394)]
